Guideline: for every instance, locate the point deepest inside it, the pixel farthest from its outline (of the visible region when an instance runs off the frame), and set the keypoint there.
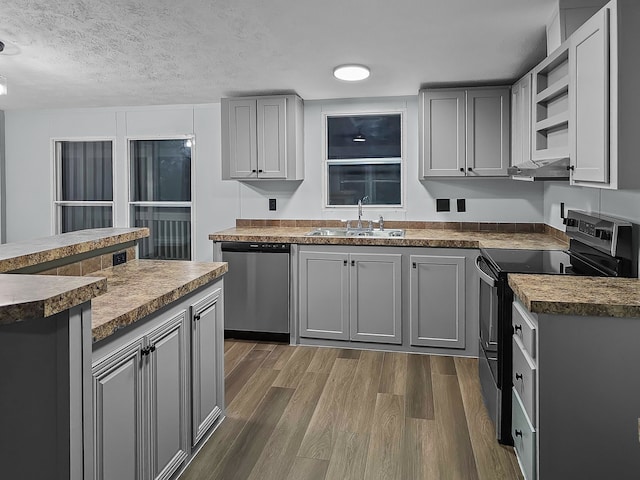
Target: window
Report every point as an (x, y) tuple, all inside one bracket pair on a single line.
[(364, 159), (160, 196), (84, 185)]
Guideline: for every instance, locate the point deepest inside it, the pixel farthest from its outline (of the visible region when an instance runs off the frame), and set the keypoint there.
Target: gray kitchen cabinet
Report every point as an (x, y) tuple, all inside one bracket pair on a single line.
[(603, 100), (438, 301), (262, 138), (353, 297), (324, 295), (464, 132), (521, 120), (140, 406), (589, 100), (207, 372), (376, 297), (118, 395)]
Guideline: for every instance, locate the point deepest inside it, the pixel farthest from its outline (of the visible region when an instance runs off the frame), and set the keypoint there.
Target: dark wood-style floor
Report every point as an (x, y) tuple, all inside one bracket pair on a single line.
[(306, 413)]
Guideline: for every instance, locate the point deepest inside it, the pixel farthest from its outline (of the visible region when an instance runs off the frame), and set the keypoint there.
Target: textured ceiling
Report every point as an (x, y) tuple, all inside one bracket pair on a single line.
[(77, 53)]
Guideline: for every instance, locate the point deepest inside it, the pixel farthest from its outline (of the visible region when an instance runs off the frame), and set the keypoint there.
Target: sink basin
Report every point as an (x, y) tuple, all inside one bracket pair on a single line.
[(343, 232)]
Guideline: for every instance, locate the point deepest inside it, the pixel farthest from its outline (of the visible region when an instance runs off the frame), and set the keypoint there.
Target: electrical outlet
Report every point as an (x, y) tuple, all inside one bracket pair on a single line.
[(119, 258), (462, 205), (272, 204), (443, 205)]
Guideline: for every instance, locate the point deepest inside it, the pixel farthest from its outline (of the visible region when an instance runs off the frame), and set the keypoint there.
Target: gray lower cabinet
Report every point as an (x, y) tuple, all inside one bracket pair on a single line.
[(140, 406), (438, 300), (349, 296), (207, 372)]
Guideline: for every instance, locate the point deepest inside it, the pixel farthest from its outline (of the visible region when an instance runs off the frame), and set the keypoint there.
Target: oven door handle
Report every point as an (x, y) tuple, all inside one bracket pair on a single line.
[(486, 278)]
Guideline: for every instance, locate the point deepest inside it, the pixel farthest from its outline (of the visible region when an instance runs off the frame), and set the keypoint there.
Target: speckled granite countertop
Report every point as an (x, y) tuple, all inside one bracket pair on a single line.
[(569, 295), (24, 297), (18, 255), (140, 287), (413, 238)]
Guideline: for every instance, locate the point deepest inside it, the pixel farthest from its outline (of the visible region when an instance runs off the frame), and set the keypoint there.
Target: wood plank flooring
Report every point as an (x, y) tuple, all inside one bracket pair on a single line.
[(311, 413)]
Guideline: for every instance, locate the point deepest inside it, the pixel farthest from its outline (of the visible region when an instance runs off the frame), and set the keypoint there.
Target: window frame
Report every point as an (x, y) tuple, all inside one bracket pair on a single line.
[(56, 204), (353, 111), (190, 204)]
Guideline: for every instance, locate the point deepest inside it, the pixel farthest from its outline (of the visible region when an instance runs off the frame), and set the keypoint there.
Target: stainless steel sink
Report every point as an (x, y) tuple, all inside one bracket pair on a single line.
[(354, 232)]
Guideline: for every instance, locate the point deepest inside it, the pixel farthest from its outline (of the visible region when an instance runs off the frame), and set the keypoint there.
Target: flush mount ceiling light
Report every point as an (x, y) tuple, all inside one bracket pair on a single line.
[(351, 73)]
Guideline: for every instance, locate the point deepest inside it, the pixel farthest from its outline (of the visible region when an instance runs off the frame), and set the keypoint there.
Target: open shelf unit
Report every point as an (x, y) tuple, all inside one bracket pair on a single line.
[(551, 107)]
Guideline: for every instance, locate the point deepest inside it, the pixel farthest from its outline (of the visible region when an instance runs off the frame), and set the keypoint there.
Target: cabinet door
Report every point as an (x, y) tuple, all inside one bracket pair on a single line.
[(272, 139), (324, 295), (589, 100), (488, 126), (168, 381), (442, 135), (118, 408), (243, 155), (521, 120), (376, 298), (438, 316), (206, 364)]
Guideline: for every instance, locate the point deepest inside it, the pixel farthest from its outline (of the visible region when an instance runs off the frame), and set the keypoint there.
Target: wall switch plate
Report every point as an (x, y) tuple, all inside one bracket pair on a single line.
[(272, 204), (443, 205), (119, 258), (462, 205)]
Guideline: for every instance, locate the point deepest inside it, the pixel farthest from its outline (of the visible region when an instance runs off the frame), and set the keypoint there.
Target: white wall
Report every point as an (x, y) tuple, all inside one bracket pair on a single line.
[(29, 170), (29, 164), (618, 203), (491, 200)]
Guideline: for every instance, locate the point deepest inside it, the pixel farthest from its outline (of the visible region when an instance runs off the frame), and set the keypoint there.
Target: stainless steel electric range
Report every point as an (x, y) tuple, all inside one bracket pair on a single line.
[(599, 246)]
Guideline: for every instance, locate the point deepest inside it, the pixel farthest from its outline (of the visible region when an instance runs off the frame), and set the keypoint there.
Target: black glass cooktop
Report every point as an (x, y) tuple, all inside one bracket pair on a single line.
[(557, 262)]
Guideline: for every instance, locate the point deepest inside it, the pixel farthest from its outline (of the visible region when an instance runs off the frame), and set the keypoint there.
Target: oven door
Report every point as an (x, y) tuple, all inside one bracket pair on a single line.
[(488, 309)]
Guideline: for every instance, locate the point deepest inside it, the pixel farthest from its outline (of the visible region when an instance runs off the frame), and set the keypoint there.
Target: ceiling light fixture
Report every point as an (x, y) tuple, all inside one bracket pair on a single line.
[(351, 73)]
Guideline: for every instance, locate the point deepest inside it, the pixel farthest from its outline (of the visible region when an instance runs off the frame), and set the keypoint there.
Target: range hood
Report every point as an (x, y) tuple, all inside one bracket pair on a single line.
[(540, 170)]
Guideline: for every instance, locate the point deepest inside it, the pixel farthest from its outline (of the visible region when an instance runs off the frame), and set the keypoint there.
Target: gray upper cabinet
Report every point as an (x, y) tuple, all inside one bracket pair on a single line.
[(442, 139), (140, 406), (262, 138), (464, 132), (207, 373), (521, 100), (353, 297), (589, 100), (438, 299)]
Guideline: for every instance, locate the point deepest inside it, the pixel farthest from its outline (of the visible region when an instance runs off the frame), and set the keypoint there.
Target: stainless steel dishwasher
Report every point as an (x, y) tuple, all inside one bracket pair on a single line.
[(256, 290)]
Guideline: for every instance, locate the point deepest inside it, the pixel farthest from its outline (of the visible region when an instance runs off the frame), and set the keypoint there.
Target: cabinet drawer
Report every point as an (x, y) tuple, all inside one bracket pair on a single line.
[(524, 326), (524, 438), (524, 377)]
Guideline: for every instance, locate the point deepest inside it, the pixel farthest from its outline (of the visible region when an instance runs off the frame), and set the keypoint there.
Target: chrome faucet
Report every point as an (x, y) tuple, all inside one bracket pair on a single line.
[(381, 223), (360, 202)]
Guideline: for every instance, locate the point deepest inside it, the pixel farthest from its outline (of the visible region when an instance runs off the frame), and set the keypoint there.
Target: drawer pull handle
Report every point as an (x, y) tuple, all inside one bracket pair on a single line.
[(518, 376), (518, 327), (518, 433)]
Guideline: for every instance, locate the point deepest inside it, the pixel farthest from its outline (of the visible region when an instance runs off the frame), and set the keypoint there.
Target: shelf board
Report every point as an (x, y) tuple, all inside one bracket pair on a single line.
[(559, 88), (552, 123), (551, 153)]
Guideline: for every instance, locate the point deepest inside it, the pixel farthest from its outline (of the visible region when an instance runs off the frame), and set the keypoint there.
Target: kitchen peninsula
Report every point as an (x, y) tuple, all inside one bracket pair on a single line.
[(93, 363)]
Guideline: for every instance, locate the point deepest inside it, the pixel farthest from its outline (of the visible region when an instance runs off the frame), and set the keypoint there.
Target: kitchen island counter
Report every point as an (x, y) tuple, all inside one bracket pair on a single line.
[(19, 255), (576, 295), (140, 287), (39, 296)]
